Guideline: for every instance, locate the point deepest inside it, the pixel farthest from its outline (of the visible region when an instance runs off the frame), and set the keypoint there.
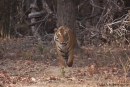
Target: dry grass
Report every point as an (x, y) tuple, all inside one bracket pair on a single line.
[(37, 64)]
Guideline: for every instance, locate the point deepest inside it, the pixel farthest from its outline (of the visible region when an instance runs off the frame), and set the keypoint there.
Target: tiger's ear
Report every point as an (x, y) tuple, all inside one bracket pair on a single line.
[(55, 29)]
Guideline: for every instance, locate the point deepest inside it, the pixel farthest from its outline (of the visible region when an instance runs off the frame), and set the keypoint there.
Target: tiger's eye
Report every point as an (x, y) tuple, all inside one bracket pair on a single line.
[(65, 33), (58, 35)]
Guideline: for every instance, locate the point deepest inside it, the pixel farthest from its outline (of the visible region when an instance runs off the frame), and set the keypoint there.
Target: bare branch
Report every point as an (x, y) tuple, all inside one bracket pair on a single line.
[(92, 3), (46, 7)]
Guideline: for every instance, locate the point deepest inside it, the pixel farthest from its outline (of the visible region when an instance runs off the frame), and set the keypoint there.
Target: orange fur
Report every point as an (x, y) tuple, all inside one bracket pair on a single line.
[(65, 40)]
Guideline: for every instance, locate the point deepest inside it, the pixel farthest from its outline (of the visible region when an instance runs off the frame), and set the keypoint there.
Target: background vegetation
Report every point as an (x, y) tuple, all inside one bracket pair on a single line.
[(27, 50), (107, 20)]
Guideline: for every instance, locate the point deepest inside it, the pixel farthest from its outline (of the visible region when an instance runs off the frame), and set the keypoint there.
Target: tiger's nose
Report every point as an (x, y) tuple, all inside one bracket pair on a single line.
[(63, 43)]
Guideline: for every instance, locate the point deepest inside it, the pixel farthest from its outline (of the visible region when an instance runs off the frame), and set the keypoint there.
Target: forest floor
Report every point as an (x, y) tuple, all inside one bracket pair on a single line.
[(27, 62)]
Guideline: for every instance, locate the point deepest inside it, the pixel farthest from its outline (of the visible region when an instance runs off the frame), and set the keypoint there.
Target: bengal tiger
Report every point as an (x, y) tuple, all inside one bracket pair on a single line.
[(65, 40)]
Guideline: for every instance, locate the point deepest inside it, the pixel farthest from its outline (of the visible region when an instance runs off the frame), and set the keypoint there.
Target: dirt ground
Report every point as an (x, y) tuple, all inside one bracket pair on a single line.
[(27, 62)]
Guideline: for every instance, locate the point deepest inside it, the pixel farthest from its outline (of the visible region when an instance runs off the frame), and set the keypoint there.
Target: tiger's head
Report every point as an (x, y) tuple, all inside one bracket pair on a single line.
[(61, 36)]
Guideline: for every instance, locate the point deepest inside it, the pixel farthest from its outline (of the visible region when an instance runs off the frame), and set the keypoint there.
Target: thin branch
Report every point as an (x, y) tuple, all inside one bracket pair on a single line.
[(46, 7), (92, 3)]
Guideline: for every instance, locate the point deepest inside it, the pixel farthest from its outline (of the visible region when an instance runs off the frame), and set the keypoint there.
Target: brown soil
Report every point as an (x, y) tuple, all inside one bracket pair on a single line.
[(27, 62)]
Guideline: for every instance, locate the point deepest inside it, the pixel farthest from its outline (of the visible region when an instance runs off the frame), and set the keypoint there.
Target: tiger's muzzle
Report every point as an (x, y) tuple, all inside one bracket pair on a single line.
[(63, 43)]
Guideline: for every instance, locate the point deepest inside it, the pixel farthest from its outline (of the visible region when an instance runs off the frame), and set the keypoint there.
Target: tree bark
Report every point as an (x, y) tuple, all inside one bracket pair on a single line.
[(66, 13), (46, 7), (33, 20)]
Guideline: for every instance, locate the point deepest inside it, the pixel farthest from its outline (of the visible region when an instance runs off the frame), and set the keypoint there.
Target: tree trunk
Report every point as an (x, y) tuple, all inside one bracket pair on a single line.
[(33, 20), (66, 13)]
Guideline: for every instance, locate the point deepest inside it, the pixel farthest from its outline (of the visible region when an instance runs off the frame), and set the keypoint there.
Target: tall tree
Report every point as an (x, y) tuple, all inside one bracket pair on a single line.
[(66, 13)]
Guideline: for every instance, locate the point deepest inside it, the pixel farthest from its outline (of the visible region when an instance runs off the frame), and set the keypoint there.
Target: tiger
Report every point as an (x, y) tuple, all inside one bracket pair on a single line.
[(64, 39)]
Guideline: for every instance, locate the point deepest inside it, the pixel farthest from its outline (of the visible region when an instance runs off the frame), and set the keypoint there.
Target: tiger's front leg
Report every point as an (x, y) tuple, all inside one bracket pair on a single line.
[(70, 58), (61, 59), (62, 63)]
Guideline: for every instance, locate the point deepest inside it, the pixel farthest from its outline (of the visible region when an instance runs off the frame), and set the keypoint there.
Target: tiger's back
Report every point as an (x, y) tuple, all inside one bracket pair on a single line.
[(65, 41)]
